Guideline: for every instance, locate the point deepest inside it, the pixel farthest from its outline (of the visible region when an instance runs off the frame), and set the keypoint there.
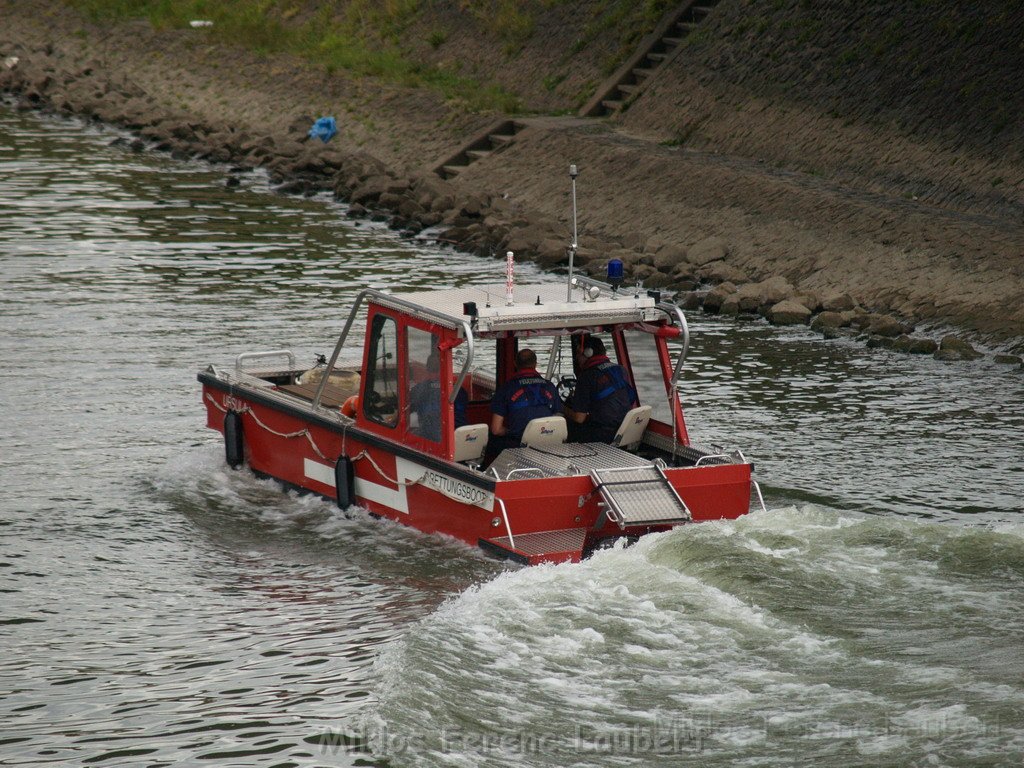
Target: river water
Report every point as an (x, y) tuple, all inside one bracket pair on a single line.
[(157, 608)]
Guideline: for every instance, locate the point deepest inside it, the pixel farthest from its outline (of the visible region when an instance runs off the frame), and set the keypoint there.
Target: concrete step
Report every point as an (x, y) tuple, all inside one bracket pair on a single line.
[(660, 44), (497, 136)]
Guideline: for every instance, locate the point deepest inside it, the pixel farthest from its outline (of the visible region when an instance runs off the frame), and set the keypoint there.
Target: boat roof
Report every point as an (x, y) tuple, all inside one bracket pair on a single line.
[(535, 307)]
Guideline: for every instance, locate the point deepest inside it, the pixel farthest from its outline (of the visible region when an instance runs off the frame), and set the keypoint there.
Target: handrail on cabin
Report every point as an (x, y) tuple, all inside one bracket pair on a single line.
[(389, 298)]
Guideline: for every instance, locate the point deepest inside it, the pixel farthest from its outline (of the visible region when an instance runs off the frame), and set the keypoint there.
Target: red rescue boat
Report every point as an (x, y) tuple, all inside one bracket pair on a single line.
[(353, 429)]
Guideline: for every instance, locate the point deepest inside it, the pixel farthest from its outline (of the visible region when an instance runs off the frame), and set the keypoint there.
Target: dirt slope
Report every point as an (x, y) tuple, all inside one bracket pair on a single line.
[(781, 130)]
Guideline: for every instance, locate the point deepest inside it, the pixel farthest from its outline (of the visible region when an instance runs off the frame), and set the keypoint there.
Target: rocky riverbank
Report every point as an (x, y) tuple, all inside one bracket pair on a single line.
[(780, 261)]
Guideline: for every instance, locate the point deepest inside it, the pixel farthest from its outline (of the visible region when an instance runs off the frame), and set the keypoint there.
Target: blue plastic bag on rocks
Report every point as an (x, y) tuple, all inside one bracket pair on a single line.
[(324, 129)]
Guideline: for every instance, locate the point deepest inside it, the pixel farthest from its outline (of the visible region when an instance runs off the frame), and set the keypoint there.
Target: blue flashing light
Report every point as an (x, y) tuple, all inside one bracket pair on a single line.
[(615, 273)]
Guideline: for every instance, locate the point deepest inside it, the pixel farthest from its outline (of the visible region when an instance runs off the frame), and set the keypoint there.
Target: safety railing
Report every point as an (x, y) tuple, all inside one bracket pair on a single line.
[(248, 357), (760, 498), (508, 526), (540, 472)]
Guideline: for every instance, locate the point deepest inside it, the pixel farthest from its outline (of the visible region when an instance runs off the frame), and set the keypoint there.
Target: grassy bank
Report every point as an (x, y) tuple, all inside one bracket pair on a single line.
[(361, 38), (403, 41)]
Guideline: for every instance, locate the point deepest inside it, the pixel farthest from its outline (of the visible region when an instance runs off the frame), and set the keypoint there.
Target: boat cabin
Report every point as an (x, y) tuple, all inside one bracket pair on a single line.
[(458, 346)]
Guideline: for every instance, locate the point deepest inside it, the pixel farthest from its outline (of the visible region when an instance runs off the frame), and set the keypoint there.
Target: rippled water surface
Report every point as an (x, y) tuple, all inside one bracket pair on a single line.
[(159, 609)]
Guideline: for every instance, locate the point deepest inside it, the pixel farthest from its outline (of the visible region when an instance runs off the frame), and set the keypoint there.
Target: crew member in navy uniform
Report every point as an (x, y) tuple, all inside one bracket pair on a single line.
[(425, 401), (602, 398), (524, 397)]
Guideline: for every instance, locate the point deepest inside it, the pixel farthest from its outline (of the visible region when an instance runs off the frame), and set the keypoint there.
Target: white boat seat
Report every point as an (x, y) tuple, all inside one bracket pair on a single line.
[(470, 442), (550, 430), (633, 426)]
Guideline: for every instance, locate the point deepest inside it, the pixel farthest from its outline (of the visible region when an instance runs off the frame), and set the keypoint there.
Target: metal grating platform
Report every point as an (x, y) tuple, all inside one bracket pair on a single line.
[(560, 545), (640, 496), (562, 460), (692, 454)]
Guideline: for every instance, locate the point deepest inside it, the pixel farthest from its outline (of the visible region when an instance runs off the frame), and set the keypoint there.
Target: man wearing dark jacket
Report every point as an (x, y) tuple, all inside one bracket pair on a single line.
[(524, 397), (602, 397)]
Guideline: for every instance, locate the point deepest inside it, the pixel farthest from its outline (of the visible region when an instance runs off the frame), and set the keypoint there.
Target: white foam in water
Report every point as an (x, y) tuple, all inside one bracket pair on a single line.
[(233, 501), (706, 638)]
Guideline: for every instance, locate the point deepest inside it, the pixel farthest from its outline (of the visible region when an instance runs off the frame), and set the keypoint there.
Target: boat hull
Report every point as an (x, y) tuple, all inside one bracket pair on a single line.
[(301, 449)]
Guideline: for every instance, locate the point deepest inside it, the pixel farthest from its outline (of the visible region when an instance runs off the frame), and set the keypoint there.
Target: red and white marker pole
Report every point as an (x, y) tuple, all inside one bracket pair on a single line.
[(509, 278)]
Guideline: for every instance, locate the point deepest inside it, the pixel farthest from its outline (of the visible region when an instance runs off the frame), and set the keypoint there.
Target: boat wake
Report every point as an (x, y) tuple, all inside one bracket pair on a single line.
[(796, 634), (238, 510)]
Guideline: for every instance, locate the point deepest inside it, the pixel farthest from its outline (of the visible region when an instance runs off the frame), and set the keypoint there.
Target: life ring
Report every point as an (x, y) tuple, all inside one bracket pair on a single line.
[(348, 408)]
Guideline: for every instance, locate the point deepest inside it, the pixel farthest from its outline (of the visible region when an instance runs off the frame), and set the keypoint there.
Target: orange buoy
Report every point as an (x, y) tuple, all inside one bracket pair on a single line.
[(348, 408)]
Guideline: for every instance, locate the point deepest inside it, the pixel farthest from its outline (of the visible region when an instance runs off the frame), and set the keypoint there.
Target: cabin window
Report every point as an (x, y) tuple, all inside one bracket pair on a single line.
[(554, 356), (381, 391), (481, 380), (424, 383), (650, 382)]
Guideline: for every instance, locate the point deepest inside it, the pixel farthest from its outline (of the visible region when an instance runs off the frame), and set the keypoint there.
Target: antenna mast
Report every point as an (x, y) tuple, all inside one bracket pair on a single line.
[(573, 173)]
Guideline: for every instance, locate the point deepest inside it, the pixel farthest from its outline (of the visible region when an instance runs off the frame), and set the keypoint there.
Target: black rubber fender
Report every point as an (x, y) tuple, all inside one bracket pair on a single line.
[(234, 441), (345, 482)]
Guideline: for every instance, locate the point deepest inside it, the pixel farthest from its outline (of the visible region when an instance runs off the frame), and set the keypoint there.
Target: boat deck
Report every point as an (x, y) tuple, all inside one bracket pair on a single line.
[(333, 395), (341, 385), (562, 460)]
